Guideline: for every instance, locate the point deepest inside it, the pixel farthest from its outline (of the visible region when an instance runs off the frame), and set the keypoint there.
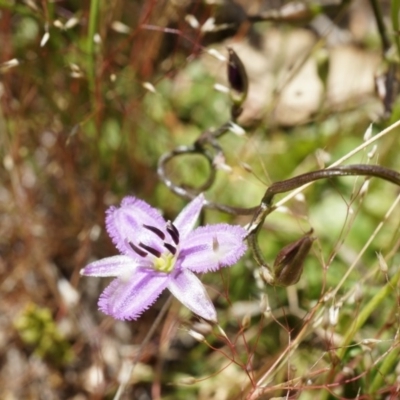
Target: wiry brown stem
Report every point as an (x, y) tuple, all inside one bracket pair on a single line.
[(266, 206), (207, 144)]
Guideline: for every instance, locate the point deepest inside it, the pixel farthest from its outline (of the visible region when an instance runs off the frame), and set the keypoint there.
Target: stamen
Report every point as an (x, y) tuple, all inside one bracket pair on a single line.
[(155, 230), (155, 252), (173, 232), (215, 244), (138, 251), (171, 248)]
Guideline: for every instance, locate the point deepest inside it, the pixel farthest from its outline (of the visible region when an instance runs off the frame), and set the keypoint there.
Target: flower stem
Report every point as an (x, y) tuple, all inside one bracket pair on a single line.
[(387, 367), (370, 307), (124, 382), (90, 46)]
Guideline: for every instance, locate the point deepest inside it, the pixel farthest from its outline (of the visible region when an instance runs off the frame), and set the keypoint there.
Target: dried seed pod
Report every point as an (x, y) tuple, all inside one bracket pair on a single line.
[(288, 265)]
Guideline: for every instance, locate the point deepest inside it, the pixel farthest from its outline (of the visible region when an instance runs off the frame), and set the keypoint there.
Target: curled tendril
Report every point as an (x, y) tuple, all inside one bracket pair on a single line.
[(266, 206), (201, 147), (207, 146)]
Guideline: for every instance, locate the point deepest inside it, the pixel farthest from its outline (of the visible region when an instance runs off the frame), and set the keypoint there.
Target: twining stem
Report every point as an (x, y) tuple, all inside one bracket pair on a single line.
[(202, 146), (341, 160), (267, 207), (207, 146), (343, 170)]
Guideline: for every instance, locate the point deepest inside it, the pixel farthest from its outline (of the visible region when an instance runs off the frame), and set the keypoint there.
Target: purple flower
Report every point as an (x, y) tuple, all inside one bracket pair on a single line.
[(156, 255)]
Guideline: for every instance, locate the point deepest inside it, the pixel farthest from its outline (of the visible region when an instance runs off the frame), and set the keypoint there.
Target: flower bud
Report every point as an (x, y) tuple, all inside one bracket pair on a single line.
[(288, 265), (238, 81), (237, 75), (382, 263), (246, 320), (196, 335)]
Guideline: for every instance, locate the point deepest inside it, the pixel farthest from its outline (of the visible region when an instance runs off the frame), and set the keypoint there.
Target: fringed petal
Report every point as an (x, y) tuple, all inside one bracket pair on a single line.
[(125, 224), (127, 299), (211, 247)]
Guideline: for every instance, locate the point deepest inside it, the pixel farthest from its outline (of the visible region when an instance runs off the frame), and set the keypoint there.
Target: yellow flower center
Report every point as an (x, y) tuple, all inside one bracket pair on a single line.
[(165, 263)]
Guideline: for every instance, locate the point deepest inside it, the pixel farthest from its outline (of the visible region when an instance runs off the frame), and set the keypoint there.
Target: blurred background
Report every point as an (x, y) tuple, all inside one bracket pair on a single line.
[(93, 93)]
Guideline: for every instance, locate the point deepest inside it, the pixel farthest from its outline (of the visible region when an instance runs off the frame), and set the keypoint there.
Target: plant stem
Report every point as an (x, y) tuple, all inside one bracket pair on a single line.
[(90, 49), (371, 306), (381, 25), (266, 206), (125, 380), (387, 367), (395, 7)]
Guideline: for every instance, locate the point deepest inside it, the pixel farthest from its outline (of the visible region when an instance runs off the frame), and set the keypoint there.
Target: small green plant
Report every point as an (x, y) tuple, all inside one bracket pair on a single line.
[(37, 329)]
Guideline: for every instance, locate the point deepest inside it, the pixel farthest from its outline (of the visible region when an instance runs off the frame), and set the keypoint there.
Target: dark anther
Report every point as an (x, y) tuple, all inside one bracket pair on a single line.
[(173, 232), (138, 251), (171, 248), (155, 252), (155, 230)]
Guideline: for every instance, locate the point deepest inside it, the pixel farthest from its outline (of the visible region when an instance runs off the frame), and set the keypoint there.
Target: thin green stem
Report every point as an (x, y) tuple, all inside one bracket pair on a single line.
[(126, 379), (370, 307), (387, 367), (90, 49), (51, 11), (394, 11)]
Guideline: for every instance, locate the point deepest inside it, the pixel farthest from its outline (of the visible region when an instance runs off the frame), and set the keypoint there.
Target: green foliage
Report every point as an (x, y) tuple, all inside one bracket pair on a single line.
[(38, 330)]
